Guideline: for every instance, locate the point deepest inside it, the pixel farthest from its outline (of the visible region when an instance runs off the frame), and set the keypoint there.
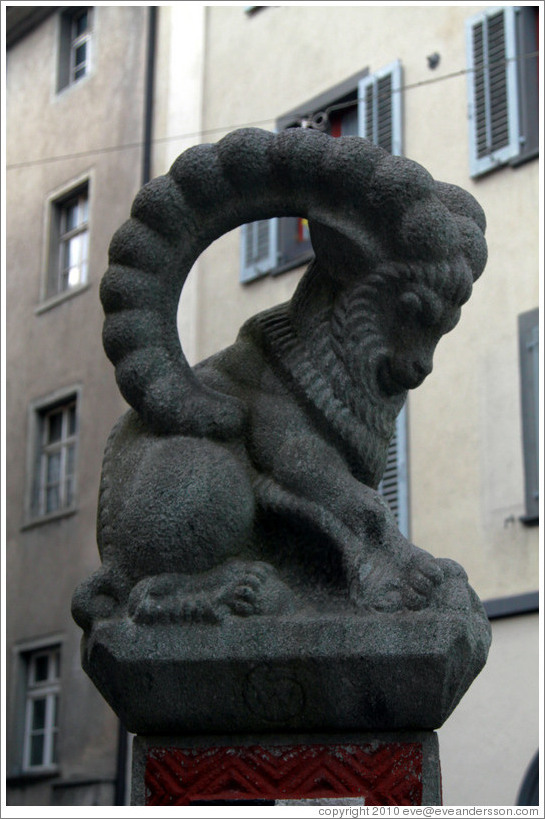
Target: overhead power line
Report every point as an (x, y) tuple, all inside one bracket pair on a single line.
[(256, 123)]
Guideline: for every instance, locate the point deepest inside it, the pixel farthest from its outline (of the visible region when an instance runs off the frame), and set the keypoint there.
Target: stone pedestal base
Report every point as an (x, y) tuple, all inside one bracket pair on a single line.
[(366, 769)]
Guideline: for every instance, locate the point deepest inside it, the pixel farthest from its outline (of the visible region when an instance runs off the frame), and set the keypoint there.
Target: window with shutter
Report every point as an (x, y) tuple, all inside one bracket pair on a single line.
[(394, 486), (380, 108), (365, 105), (529, 393), (258, 249), (502, 76)]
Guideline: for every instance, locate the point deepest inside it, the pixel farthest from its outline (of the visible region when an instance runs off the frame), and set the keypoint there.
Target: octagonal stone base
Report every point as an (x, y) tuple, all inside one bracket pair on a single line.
[(377, 671)]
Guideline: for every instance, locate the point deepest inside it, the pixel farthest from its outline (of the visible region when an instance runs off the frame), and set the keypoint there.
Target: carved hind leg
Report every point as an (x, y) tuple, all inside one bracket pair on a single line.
[(169, 506), (173, 504), (241, 588)]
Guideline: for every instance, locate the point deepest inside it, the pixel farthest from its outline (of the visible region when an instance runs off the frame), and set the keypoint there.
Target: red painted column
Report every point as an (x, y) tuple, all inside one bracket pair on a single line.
[(394, 770)]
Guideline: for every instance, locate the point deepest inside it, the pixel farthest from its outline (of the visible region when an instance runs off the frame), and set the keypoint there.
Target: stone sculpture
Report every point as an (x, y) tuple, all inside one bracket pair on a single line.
[(239, 498)]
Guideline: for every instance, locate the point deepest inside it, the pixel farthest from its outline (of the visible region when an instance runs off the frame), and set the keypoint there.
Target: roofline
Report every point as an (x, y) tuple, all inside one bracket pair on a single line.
[(21, 20)]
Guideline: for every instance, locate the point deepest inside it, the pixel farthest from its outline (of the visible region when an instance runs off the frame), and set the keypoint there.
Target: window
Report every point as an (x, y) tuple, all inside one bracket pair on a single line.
[(40, 746), (74, 46), (55, 431), (529, 393), (368, 105), (68, 242), (502, 46)]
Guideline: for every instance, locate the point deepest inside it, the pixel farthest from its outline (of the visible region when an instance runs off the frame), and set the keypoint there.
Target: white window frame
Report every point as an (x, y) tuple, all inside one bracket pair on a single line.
[(47, 690), (80, 231), (68, 43), (40, 450), (500, 156), (57, 237), (253, 266), (65, 449), (76, 40)]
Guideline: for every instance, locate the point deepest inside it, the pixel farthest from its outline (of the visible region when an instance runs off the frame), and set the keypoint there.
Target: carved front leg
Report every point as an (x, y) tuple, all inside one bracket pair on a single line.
[(383, 569)]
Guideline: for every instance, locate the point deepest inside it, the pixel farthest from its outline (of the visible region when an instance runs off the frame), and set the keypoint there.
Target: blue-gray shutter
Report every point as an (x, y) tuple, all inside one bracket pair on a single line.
[(258, 248), (380, 108), (380, 119), (492, 89), (394, 486)]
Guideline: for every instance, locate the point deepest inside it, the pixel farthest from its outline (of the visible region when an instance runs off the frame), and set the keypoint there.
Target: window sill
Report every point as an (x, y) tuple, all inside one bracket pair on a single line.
[(523, 158), (53, 301), (292, 264), (301, 261), (515, 162), (38, 521), (23, 778), (529, 520), (71, 84)]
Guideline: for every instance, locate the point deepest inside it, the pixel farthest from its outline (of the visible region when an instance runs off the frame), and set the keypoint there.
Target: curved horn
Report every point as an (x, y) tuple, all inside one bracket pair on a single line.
[(344, 184)]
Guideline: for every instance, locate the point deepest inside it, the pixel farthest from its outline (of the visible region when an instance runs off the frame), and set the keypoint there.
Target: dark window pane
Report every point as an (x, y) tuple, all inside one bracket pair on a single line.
[(41, 667), (72, 420), (37, 749), (53, 468), (81, 24), (54, 748), (57, 664), (38, 714), (80, 55), (52, 501), (71, 216), (54, 427)]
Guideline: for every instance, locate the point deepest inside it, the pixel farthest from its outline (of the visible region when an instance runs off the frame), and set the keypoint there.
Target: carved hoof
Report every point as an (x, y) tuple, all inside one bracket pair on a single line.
[(387, 584)]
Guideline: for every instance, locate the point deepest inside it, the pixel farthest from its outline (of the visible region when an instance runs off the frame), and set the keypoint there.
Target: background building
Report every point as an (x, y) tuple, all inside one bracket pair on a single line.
[(452, 87), (75, 90)]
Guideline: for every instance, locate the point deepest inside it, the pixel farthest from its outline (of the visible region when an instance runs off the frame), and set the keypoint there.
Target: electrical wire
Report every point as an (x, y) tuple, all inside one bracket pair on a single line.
[(256, 123)]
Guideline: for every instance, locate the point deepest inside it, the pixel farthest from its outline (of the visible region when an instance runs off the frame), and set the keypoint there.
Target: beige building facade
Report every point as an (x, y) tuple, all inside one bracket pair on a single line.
[(465, 466)]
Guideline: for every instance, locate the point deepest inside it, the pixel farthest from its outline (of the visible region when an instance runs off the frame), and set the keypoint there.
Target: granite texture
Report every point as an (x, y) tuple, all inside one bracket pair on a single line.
[(239, 522)]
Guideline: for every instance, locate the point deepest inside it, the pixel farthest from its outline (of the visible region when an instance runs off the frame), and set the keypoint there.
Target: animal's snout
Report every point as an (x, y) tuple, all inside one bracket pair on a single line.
[(422, 367)]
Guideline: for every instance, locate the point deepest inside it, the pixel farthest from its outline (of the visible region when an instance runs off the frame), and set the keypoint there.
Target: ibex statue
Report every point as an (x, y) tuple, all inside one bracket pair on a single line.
[(247, 485)]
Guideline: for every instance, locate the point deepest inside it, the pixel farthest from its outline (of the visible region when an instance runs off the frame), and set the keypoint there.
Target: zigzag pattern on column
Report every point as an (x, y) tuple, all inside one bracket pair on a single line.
[(382, 774)]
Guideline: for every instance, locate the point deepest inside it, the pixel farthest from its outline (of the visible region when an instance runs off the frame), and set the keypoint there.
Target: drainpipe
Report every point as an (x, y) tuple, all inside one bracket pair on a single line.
[(148, 93), (120, 793)]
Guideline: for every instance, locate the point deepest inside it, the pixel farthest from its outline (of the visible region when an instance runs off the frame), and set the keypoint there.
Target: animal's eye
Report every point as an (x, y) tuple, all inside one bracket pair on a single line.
[(411, 305)]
